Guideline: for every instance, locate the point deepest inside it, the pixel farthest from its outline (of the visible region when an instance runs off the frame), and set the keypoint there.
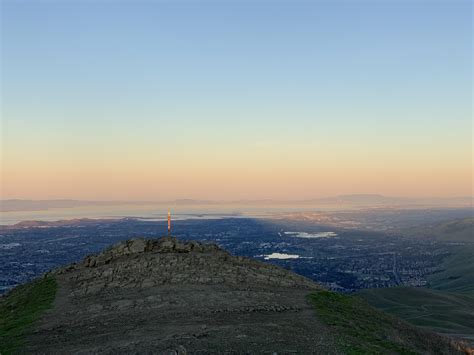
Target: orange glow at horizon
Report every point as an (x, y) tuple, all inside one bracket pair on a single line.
[(264, 174)]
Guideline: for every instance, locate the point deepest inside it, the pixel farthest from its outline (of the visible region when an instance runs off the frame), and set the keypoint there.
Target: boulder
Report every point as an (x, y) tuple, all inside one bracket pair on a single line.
[(137, 246)]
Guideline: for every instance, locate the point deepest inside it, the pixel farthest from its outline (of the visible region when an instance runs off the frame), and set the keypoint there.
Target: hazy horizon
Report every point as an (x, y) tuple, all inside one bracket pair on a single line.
[(236, 100), (15, 210), (203, 199)]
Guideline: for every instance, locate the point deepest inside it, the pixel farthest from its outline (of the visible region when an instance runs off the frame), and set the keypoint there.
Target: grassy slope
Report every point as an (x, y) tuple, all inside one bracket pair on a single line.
[(20, 309), (446, 307), (459, 230), (439, 311), (361, 329), (457, 273)]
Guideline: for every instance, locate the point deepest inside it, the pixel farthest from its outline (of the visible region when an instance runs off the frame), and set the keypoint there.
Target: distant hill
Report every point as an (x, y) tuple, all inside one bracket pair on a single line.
[(342, 201), (460, 230), (61, 223), (457, 273), (446, 307), (443, 312), (166, 296)]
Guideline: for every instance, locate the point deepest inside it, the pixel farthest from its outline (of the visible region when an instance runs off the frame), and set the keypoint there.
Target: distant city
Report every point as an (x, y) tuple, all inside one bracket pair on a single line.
[(344, 251)]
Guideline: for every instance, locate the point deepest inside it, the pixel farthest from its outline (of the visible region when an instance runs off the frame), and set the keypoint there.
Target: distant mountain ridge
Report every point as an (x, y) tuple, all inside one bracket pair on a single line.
[(458, 230), (356, 200)]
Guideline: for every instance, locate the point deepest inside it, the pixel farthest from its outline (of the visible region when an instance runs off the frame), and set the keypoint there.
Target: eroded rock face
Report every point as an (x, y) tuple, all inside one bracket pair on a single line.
[(142, 264), (137, 246)]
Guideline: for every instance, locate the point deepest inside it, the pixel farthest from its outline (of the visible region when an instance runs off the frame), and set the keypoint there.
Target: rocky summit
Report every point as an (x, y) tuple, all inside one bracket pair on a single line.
[(153, 296), (164, 296)]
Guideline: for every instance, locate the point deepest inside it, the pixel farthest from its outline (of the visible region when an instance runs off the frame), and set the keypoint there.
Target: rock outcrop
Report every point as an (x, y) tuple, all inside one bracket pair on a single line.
[(160, 295), (142, 264)]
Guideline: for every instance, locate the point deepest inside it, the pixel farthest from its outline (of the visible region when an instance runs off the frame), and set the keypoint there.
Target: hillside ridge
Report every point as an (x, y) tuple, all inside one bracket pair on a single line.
[(169, 296), (148, 263)]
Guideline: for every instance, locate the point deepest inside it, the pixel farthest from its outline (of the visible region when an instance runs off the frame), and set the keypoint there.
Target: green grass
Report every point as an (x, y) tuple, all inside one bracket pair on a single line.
[(442, 312), (458, 230), (446, 307), (361, 329), (20, 309), (457, 272)]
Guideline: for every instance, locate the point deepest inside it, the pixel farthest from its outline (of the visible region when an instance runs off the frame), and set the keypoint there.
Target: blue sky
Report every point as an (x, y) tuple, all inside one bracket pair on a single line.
[(86, 78)]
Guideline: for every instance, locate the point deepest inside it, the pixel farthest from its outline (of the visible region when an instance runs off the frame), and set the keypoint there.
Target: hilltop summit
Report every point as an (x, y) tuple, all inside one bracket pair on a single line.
[(165, 296), (159, 295), (146, 264)]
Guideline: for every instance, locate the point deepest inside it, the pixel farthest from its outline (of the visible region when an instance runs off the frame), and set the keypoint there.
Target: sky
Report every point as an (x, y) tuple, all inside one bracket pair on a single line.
[(133, 100)]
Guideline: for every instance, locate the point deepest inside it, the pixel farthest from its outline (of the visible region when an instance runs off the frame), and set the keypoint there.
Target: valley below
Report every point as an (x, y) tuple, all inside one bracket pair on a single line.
[(420, 275)]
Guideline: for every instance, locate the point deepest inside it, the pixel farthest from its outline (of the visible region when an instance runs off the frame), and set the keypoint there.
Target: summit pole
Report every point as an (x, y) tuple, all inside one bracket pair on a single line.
[(169, 222)]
